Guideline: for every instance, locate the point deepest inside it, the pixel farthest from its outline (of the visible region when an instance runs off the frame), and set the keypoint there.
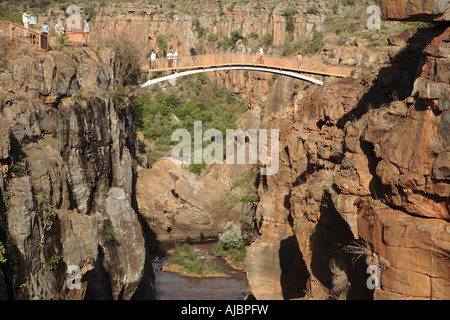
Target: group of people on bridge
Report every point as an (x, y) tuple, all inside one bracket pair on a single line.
[(172, 58)]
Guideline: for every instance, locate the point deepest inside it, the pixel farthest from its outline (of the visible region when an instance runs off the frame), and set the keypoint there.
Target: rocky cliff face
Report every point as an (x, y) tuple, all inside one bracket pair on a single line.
[(68, 181), (363, 183), (414, 10), (197, 26)]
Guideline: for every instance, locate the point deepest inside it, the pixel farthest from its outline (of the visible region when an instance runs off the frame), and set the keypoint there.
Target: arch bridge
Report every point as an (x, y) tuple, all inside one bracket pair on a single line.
[(187, 65)]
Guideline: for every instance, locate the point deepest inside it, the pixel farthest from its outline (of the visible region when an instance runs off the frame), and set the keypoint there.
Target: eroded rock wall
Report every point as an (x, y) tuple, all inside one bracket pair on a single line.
[(415, 10), (191, 27), (363, 182), (68, 180)]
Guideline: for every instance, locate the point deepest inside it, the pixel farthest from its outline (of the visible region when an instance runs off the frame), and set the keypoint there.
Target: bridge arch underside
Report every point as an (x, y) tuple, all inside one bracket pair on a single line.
[(211, 69)]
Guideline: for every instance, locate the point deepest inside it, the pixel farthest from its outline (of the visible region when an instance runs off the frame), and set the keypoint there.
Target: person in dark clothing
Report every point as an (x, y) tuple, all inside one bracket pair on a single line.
[(193, 55)]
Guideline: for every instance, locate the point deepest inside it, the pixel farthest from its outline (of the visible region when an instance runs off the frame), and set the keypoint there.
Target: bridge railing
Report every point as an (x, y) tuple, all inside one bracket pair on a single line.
[(16, 32), (235, 59), (222, 59), (75, 38)]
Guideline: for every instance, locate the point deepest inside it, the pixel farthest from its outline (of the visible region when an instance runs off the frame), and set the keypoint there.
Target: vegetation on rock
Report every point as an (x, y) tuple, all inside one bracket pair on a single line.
[(231, 246), (190, 263), (2, 253), (196, 98)]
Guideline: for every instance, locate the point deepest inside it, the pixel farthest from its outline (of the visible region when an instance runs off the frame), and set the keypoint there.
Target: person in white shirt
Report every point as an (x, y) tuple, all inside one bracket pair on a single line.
[(86, 30), (60, 28), (86, 26), (153, 60), (170, 57), (26, 19), (261, 55), (175, 57)]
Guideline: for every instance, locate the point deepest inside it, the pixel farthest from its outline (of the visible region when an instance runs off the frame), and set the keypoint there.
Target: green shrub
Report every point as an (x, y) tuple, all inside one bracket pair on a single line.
[(231, 238), (213, 37), (313, 10), (231, 245), (218, 250), (335, 8), (61, 42), (189, 260), (316, 45), (161, 42), (289, 11), (13, 17), (267, 40), (20, 168), (288, 14), (238, 255), (55, 259), (2, 253), (200, 30), (90, 12), (254, 35), (110, 236), (241, 191), (348, 2), (179, 249), (231, 42), (374, 44), (197, 168)]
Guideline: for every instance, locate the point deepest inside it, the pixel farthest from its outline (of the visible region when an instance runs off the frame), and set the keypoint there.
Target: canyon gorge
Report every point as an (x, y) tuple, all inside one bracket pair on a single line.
[(364, 176)]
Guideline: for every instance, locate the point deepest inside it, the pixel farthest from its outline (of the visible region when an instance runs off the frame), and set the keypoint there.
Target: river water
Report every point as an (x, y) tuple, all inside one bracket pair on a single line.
[(172, 286)]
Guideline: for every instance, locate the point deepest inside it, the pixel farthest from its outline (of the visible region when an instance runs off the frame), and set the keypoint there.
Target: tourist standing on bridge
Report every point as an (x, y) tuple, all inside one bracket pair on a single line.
[(194, 56), (170, 58), (175, 58), (86, 30), (152, 60), (261, 55), (299, 60)]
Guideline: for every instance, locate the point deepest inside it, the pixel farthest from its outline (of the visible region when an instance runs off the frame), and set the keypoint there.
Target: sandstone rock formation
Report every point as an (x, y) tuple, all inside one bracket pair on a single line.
[(415, 10), (67, 185), (182, 29), (363, 182), (179, 205)]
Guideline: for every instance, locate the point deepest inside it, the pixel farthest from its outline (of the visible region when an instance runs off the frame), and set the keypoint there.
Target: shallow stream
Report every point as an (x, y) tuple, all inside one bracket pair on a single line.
[(172, 286)]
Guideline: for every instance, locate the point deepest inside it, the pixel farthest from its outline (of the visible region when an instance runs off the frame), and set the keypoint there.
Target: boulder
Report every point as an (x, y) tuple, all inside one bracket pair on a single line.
[(401, 40), (178, 204), (124, 246)]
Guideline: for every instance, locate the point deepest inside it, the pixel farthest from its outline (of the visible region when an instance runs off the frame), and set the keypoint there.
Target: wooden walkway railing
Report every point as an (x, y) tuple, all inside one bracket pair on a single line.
[(231, 59), (14, 31)]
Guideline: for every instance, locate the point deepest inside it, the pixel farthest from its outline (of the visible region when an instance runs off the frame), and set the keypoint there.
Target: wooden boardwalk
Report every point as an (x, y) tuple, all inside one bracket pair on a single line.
[(19, 33)]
